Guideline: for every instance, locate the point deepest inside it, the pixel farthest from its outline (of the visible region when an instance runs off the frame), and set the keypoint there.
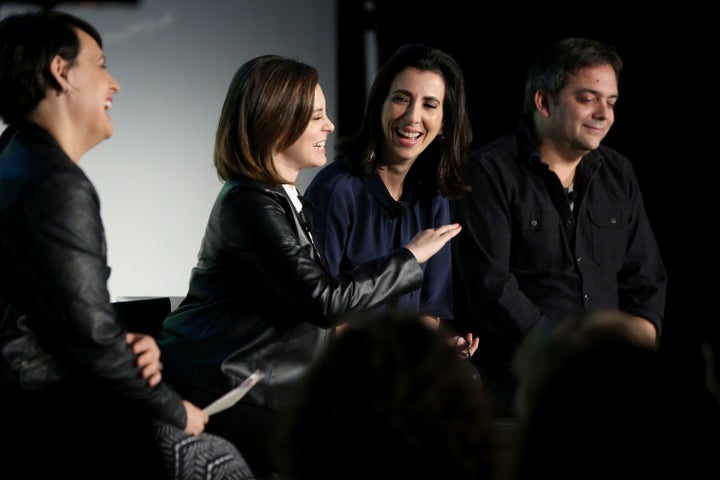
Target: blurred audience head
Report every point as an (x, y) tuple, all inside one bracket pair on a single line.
[(596, 400), (391, 399), (548, 349)]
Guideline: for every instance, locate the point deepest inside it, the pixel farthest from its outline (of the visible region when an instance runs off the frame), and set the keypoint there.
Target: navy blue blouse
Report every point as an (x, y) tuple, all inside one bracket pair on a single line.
[(356, 220)]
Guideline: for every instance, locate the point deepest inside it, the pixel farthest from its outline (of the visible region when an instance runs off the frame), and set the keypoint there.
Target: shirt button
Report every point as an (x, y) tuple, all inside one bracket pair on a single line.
[(613, 220), (533, 223), (578, 259), (586, 297), (568, 223)]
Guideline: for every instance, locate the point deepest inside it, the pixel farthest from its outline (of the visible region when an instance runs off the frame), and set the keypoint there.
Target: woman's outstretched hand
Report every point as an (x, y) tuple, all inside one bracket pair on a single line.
[(427, 243)]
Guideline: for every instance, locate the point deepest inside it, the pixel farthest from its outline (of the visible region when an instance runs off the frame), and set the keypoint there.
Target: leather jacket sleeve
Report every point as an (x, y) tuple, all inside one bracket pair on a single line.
[(69, 310), (262, 233)]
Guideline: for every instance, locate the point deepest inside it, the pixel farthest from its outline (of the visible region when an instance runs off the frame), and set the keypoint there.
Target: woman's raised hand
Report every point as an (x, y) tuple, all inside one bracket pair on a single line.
[(427, 243)]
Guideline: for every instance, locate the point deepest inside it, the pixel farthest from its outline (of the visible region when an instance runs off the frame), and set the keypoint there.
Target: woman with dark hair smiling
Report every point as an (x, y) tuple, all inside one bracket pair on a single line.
[(394, 176)]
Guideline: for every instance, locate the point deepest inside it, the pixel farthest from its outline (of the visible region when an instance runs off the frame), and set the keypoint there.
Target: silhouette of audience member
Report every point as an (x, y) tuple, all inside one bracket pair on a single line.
[(595, 400), (705, 404), (390, 398), (544, 354), (695, 369), (710, 348)]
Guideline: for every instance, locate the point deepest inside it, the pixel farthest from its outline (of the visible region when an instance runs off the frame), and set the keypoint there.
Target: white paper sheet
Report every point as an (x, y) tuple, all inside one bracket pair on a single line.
[(231, 398)]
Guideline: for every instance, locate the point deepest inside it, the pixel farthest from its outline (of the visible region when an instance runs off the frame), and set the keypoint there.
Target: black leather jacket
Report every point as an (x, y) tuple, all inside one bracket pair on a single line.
[(260, 297), (57, 324)]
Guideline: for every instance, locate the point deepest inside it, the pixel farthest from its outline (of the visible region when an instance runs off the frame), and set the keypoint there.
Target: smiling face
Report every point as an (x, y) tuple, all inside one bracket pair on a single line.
[(90, 93), (583, 112), (412, 114), (309, 150)]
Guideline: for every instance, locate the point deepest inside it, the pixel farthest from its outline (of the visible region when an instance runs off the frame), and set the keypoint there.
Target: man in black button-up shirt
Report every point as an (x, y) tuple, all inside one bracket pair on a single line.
[(555, 222)]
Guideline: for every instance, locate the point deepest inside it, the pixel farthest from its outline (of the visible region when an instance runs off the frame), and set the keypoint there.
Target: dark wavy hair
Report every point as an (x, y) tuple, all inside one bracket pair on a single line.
[(28, 44), (442, 163)]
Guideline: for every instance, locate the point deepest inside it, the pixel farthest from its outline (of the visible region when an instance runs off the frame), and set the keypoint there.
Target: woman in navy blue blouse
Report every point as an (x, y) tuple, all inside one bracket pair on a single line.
[(395, 175)]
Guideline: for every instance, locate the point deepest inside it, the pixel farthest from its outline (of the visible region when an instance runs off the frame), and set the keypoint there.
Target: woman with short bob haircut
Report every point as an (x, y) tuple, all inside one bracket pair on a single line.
[(260, 296)]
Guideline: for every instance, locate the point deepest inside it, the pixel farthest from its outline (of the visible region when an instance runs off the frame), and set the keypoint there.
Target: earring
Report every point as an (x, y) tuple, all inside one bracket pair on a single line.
[(371, 158), (67, 90), (440, 137)]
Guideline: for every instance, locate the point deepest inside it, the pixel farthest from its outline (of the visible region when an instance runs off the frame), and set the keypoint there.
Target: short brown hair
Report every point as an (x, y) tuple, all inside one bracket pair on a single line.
[(267, 107)]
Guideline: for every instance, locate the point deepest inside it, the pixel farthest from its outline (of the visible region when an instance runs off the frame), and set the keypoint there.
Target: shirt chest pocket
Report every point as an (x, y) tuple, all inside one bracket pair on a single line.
[(537, 242), (609, 227)]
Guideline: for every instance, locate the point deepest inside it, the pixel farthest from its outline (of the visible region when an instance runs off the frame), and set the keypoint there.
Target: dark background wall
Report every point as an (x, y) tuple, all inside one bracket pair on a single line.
[(664, 117)]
